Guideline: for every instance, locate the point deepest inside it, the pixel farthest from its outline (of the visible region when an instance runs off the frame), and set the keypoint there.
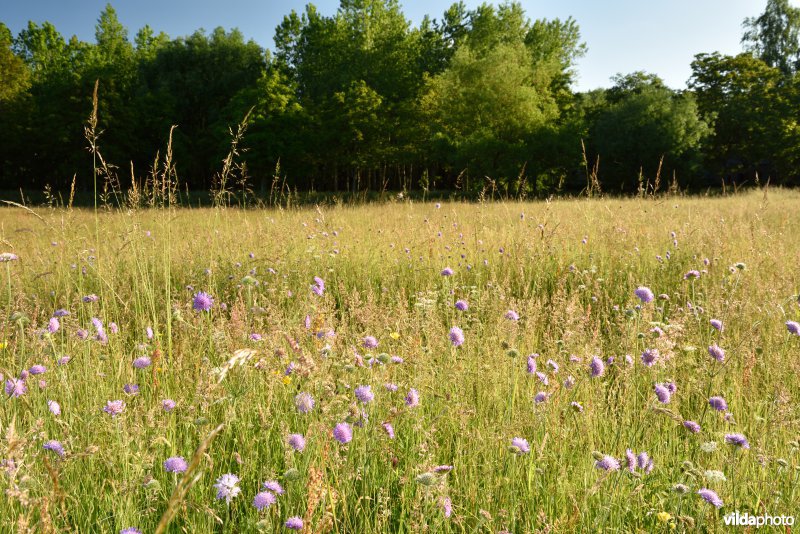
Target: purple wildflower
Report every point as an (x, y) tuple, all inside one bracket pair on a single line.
[(202, 302), (255, 337), (521, 445), (61, 312), (447, 271), (113, 327), (304, 402), (663, 393), (54, 446), (642, 460), (142, 362), (576, 406), (597, 367), (54, 407), (227, 488), (793, 327), (15, 387), (532, 364), (718, 403), (717, 324), (91, 298), (693, 274), (296, 442), (511, 315), (294, 523), (370, 342), (168, 405), (607, 463), (542, 378), (630, 457), (553, 365), (175, 464), (456, 336), (738, 440), (114, 408), (692, 426), (447, 506), (364, 394), (273, 486), (319, 286), (343, 433), (540, 397), (264, 500), (462, 305), (710, 497), (131, 389), (644, 294), (130, 530), (649, 357), (390, 387), (53, 325), (412, 399), (716, 352), (37, 369), (389, 429), (149, 332), (82, 334)]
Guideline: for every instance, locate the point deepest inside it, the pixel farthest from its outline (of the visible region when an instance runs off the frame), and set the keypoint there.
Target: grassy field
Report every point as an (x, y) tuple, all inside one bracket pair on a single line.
[(552, 280)]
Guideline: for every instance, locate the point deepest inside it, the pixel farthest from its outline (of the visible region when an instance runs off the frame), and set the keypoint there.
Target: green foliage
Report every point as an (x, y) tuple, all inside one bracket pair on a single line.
[(774, 36), (645, 129)]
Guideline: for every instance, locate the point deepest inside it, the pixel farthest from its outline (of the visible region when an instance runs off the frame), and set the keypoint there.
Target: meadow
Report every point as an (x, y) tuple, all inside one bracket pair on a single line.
[(584, 365)]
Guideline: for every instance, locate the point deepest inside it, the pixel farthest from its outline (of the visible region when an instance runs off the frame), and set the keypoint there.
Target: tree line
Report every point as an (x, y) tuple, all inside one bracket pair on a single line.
[(364, 100)]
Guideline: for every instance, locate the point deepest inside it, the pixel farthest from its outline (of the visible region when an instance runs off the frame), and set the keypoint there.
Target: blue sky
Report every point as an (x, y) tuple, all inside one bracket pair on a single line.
[(623, 36)]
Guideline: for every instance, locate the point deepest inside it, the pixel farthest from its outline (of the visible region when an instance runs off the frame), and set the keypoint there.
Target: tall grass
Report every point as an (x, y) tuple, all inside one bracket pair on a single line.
[(569, 268)]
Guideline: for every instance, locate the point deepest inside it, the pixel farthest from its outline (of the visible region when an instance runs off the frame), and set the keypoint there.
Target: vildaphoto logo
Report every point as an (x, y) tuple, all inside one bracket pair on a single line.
[(735, 519)]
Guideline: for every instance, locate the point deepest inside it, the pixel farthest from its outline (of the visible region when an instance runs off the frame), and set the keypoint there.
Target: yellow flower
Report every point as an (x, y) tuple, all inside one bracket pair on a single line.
[(394, 335), (287, 379), (663, 516), (3, 344)]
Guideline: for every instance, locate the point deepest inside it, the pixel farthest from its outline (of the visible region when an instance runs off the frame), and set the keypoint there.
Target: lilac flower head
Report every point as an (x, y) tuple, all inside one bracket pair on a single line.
[(630, 458), (15, 387), (149, 332), (54, 407), (364, 394), (577, 406), (202, 302), (412, 399), (553, 365), (370, 342), (462, 305), (130, 530), (8, 256), (53, 325), (37, 369), (511, 315), (264, 500), (644, 294), (738, 440), (97, 323), (447, 271), (693, 274), (542, 377), (456, 336), (642, 460), (718, 403), (389, 429), (227, 488), (294, 523), (649, 357), (175, 464), (296, 442), (131, 389), (531, 364), (447, 506), (114, 408), (142, 362), (710, 497), (54, 446), (717, 324), (607, 463), (663, 393), (716, 352), (82, 334), (390, 387), (304, 402), (343, 433), (113, 327), (61, 312), (692, 426), (540, 397), (64, 360), (521, 445), (91, 298), (597, 367), (319, 286), (168, 405), (273, 486), (793, 327)]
